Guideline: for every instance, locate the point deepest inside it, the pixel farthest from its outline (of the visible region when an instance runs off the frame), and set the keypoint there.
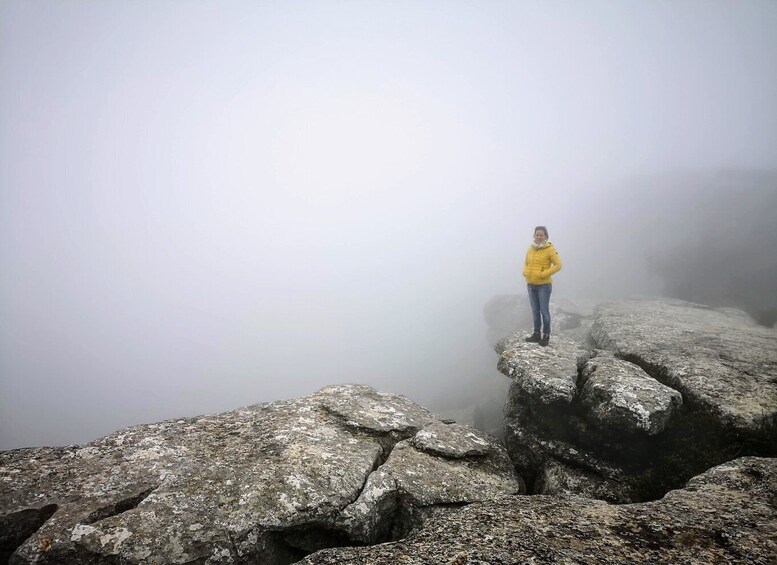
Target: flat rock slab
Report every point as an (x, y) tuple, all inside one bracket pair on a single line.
[(452, 440), (726, 515), (266, 483), (546, 374), (375, 411), (619, 395), (718, 360)]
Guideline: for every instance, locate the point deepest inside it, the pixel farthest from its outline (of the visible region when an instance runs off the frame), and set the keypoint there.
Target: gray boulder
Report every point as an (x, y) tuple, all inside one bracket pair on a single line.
[(667, 390), (726, 515), (267, 484), (573, 319), (719, 360), (620, 395)]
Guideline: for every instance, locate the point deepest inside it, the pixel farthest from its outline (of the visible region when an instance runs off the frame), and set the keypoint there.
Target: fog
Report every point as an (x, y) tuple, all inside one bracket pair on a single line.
[(205, 205)]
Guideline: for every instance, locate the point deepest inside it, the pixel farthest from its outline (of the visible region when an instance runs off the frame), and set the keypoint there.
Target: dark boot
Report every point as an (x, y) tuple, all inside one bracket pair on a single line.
[(545, 339), (533, 338)]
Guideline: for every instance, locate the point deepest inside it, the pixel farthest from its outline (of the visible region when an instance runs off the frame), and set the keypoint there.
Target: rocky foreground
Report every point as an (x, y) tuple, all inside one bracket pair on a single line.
[(727, 515), (265, 484), (628, 404)]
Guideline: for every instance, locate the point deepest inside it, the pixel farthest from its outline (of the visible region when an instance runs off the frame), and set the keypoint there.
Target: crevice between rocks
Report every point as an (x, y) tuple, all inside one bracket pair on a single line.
[(377, 464), (655, 371), (301, 541), (575, 431), (399, 515), (287, 546), (18, 527), (693, 441), (119, 507), (386, 440)]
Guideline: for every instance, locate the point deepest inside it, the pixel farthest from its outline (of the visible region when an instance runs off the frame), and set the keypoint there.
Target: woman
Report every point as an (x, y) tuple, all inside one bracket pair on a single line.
[(542, 261)]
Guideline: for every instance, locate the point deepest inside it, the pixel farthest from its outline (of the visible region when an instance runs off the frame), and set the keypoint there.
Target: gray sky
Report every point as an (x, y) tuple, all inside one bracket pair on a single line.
[(210, 204)]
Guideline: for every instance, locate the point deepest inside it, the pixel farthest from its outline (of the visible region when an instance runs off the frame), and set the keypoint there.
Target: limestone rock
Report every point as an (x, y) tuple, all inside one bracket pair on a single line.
[(452, 440), (620, 395), (719, 361), (552, 463), (375, 411), (268, 483), (558, 478), (548, 375), (418, 479), (673, 389), (726, 515)]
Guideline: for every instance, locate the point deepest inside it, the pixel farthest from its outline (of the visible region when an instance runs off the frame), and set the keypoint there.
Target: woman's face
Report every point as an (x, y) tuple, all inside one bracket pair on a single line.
[(540, 237)]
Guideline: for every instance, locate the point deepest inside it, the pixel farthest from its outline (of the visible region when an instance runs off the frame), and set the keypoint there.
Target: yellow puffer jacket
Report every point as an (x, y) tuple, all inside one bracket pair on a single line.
[(541, 264)]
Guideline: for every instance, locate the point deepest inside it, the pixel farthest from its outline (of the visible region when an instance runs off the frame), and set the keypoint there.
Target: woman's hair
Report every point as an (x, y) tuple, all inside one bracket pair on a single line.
[(542, 228)]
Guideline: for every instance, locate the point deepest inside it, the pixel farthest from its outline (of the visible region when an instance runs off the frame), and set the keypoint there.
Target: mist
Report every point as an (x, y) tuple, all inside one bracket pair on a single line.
[(206, 205)]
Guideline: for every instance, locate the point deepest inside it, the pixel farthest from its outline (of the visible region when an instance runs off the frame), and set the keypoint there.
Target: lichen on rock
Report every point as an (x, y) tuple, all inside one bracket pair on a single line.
[(725, 515), (267, 483)]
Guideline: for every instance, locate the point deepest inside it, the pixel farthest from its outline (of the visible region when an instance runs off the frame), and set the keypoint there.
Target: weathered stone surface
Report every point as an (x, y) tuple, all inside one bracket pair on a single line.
[(547, 375), (618, 394), (686, 403), (417, 480), (726, 515), (558, 478), (482, 404), (267, 483), (535, 449), (376, 411), (717, 359), (452, 440)]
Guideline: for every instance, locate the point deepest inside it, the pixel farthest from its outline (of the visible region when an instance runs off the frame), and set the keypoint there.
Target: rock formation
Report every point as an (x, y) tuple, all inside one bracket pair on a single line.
[(629, 400), (265, 484), (726, 515), (664, 390)]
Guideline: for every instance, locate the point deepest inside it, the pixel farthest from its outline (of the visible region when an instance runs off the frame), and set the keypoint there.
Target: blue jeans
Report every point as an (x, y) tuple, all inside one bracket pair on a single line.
[(539, 298)]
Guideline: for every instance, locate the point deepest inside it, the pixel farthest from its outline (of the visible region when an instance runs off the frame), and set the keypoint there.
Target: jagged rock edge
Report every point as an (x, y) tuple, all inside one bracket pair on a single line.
[(406, 503), (37, 519), (610, 473), (387, 441), (119, 507)]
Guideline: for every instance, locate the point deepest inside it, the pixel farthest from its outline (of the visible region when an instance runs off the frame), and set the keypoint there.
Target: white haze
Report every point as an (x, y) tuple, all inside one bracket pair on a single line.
[(205, 205)]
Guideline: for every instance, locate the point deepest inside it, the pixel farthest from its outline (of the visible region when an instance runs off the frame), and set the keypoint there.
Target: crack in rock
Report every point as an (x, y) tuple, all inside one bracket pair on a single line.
[(619, 394), (673, 389), (17, 527), (726, 515), (118, 507), (474, 468), (267, 483)]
